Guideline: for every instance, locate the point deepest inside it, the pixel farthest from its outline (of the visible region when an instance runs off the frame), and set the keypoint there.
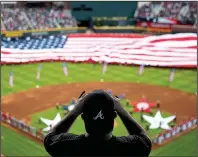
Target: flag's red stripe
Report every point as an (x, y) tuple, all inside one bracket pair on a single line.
[(174, 39)]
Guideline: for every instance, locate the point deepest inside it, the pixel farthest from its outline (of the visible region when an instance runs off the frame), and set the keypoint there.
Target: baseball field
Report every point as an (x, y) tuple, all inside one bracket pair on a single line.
[(29, 103)]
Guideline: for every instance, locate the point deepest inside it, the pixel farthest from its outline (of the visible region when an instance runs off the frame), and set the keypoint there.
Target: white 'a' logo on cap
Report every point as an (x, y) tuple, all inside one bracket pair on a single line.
[(99, 115)]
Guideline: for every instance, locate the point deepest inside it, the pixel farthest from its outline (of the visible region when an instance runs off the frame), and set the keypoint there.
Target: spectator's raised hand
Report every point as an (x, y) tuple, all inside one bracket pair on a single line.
[(117, 104), (78, 109)]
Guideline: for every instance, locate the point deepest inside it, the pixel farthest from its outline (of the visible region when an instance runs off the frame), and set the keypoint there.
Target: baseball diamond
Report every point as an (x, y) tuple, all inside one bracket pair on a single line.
[(26, 103), (142, 53), (36, 100)]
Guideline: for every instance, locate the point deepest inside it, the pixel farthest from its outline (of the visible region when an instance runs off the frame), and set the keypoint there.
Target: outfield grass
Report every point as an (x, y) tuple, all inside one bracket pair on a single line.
[(52, 73), (185, 145), (14, 144)]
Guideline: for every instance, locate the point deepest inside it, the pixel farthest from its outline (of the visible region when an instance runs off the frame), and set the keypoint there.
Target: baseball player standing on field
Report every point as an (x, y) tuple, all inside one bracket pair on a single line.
[(98, 111)]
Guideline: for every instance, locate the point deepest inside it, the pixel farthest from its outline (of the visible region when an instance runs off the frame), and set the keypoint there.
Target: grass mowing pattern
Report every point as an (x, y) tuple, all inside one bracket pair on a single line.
[(52, 73), (184, 146), (14, 144)]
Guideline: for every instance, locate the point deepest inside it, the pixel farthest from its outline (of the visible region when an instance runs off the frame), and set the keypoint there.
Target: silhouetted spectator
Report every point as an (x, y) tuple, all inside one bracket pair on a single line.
[(98, 111)]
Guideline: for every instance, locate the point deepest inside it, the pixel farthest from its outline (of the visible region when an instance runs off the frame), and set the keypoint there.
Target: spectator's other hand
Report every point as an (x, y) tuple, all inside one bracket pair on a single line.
[(117, 105), (78, 109)]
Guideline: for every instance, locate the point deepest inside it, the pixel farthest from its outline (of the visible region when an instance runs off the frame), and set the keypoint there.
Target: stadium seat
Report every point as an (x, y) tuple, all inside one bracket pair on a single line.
[(184, 12), (26, 18)]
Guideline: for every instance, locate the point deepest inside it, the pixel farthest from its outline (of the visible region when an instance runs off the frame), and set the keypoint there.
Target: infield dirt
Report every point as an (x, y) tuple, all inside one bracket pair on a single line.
[(24, 104)]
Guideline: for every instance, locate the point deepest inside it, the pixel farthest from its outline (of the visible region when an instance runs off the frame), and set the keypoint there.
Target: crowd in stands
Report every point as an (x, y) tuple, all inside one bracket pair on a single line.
[(184, 12), (27, 18)]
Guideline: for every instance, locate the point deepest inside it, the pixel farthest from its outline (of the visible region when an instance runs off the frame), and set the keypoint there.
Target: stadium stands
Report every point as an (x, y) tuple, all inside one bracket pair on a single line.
[(183, 12), (27, 18)]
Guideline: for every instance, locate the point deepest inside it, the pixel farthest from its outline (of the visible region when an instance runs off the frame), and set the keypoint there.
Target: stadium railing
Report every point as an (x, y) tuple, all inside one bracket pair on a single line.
[(104, 29)]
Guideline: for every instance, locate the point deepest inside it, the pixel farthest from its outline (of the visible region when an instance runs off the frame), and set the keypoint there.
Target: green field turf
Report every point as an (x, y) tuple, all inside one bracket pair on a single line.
[(78, 126), (185, 145), (14, 144), (52, 73)]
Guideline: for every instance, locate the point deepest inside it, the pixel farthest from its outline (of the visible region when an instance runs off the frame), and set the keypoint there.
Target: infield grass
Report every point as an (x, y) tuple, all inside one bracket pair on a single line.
[(78, 126), (52, 73)]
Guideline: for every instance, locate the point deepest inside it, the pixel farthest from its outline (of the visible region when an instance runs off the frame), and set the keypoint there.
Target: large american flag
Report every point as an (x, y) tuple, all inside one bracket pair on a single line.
[(164, 50), (11, 79)]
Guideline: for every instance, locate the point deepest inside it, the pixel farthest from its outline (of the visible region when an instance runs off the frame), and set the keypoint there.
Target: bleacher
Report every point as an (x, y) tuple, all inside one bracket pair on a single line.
[(40, 17), (183, 12)]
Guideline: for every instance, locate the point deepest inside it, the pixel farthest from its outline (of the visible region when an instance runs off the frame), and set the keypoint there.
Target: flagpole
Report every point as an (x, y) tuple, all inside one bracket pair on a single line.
[(38, 83), (11, 80), (171, 77), (101, 77), (104, 69), (38, 77), (140, 71)]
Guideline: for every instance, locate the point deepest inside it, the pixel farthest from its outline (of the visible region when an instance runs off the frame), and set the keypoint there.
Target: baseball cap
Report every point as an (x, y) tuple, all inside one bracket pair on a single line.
[(98, 106)]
